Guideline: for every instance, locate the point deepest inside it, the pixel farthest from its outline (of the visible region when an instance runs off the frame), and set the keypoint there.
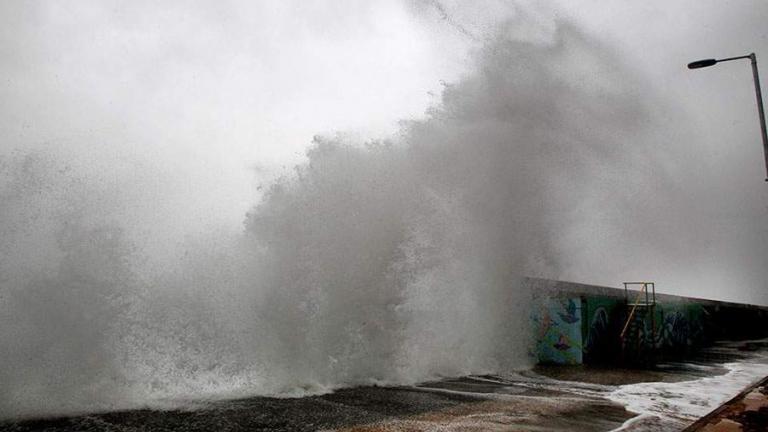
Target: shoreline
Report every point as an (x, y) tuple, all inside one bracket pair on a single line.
[(584, 398)]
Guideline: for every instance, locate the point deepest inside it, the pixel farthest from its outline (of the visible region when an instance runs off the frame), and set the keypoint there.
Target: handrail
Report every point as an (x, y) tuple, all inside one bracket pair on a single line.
[(632, 312)]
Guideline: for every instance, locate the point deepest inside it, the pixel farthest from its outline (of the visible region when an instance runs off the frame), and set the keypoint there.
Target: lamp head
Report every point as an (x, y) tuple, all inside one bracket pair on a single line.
[(701, 63)]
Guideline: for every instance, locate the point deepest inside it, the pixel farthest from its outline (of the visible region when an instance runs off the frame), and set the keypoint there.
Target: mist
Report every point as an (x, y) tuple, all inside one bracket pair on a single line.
[(154, 259)]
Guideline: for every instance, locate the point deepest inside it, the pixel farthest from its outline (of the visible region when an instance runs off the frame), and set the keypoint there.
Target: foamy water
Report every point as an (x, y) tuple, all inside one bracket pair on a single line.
[(671, 406), (657, 406)]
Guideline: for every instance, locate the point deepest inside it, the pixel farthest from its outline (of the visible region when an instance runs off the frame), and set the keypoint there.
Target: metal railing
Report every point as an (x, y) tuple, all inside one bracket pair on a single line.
[(641, 339), (650, 300)]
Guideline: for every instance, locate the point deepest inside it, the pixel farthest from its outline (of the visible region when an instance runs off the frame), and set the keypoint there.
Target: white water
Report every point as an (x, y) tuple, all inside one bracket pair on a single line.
[(671, 406)]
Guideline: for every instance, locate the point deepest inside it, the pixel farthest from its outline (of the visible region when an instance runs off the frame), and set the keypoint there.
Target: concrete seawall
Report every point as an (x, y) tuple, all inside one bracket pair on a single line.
[(576, 323)]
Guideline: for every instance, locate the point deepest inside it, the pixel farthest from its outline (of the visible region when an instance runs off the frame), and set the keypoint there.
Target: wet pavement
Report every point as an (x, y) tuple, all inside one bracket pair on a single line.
[(546, 398), (469, 404)]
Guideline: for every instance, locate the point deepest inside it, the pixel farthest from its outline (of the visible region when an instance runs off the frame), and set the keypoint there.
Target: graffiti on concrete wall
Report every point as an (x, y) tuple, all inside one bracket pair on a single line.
[(675, 328), (559, 338), (681, 326), (586, 330), (601, 314)]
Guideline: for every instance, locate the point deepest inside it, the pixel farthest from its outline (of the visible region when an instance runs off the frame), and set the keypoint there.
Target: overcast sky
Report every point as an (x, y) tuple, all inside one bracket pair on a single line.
[(222, 96), (236, 85)]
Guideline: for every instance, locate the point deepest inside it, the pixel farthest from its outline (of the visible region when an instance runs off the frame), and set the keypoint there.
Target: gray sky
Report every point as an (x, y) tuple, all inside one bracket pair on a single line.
[(207, 96)]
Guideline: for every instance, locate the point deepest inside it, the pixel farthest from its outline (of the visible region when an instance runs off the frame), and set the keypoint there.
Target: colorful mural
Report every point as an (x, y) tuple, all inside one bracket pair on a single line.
[(558, 323), (575, 323), (586, 329)]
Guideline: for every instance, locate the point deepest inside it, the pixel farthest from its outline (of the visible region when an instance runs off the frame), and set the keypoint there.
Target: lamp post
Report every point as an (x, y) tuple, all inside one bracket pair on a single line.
[(758, 94)]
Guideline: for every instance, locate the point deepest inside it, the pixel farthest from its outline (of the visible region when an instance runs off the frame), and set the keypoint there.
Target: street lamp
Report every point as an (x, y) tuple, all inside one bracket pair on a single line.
[(758, 94)]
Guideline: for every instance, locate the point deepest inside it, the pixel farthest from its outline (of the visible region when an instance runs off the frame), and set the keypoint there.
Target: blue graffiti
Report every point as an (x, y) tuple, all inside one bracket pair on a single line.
[(571, 314)]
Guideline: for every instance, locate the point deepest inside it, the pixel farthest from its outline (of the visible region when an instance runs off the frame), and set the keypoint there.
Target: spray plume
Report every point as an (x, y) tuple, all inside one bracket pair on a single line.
[(391, 261)]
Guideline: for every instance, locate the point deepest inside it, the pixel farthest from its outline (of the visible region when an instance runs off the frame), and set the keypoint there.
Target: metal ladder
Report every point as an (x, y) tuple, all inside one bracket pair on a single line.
[(636, 345)]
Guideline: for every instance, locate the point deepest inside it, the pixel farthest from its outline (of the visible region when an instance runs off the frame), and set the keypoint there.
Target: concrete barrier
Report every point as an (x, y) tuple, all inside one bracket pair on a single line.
[(577, 323)]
